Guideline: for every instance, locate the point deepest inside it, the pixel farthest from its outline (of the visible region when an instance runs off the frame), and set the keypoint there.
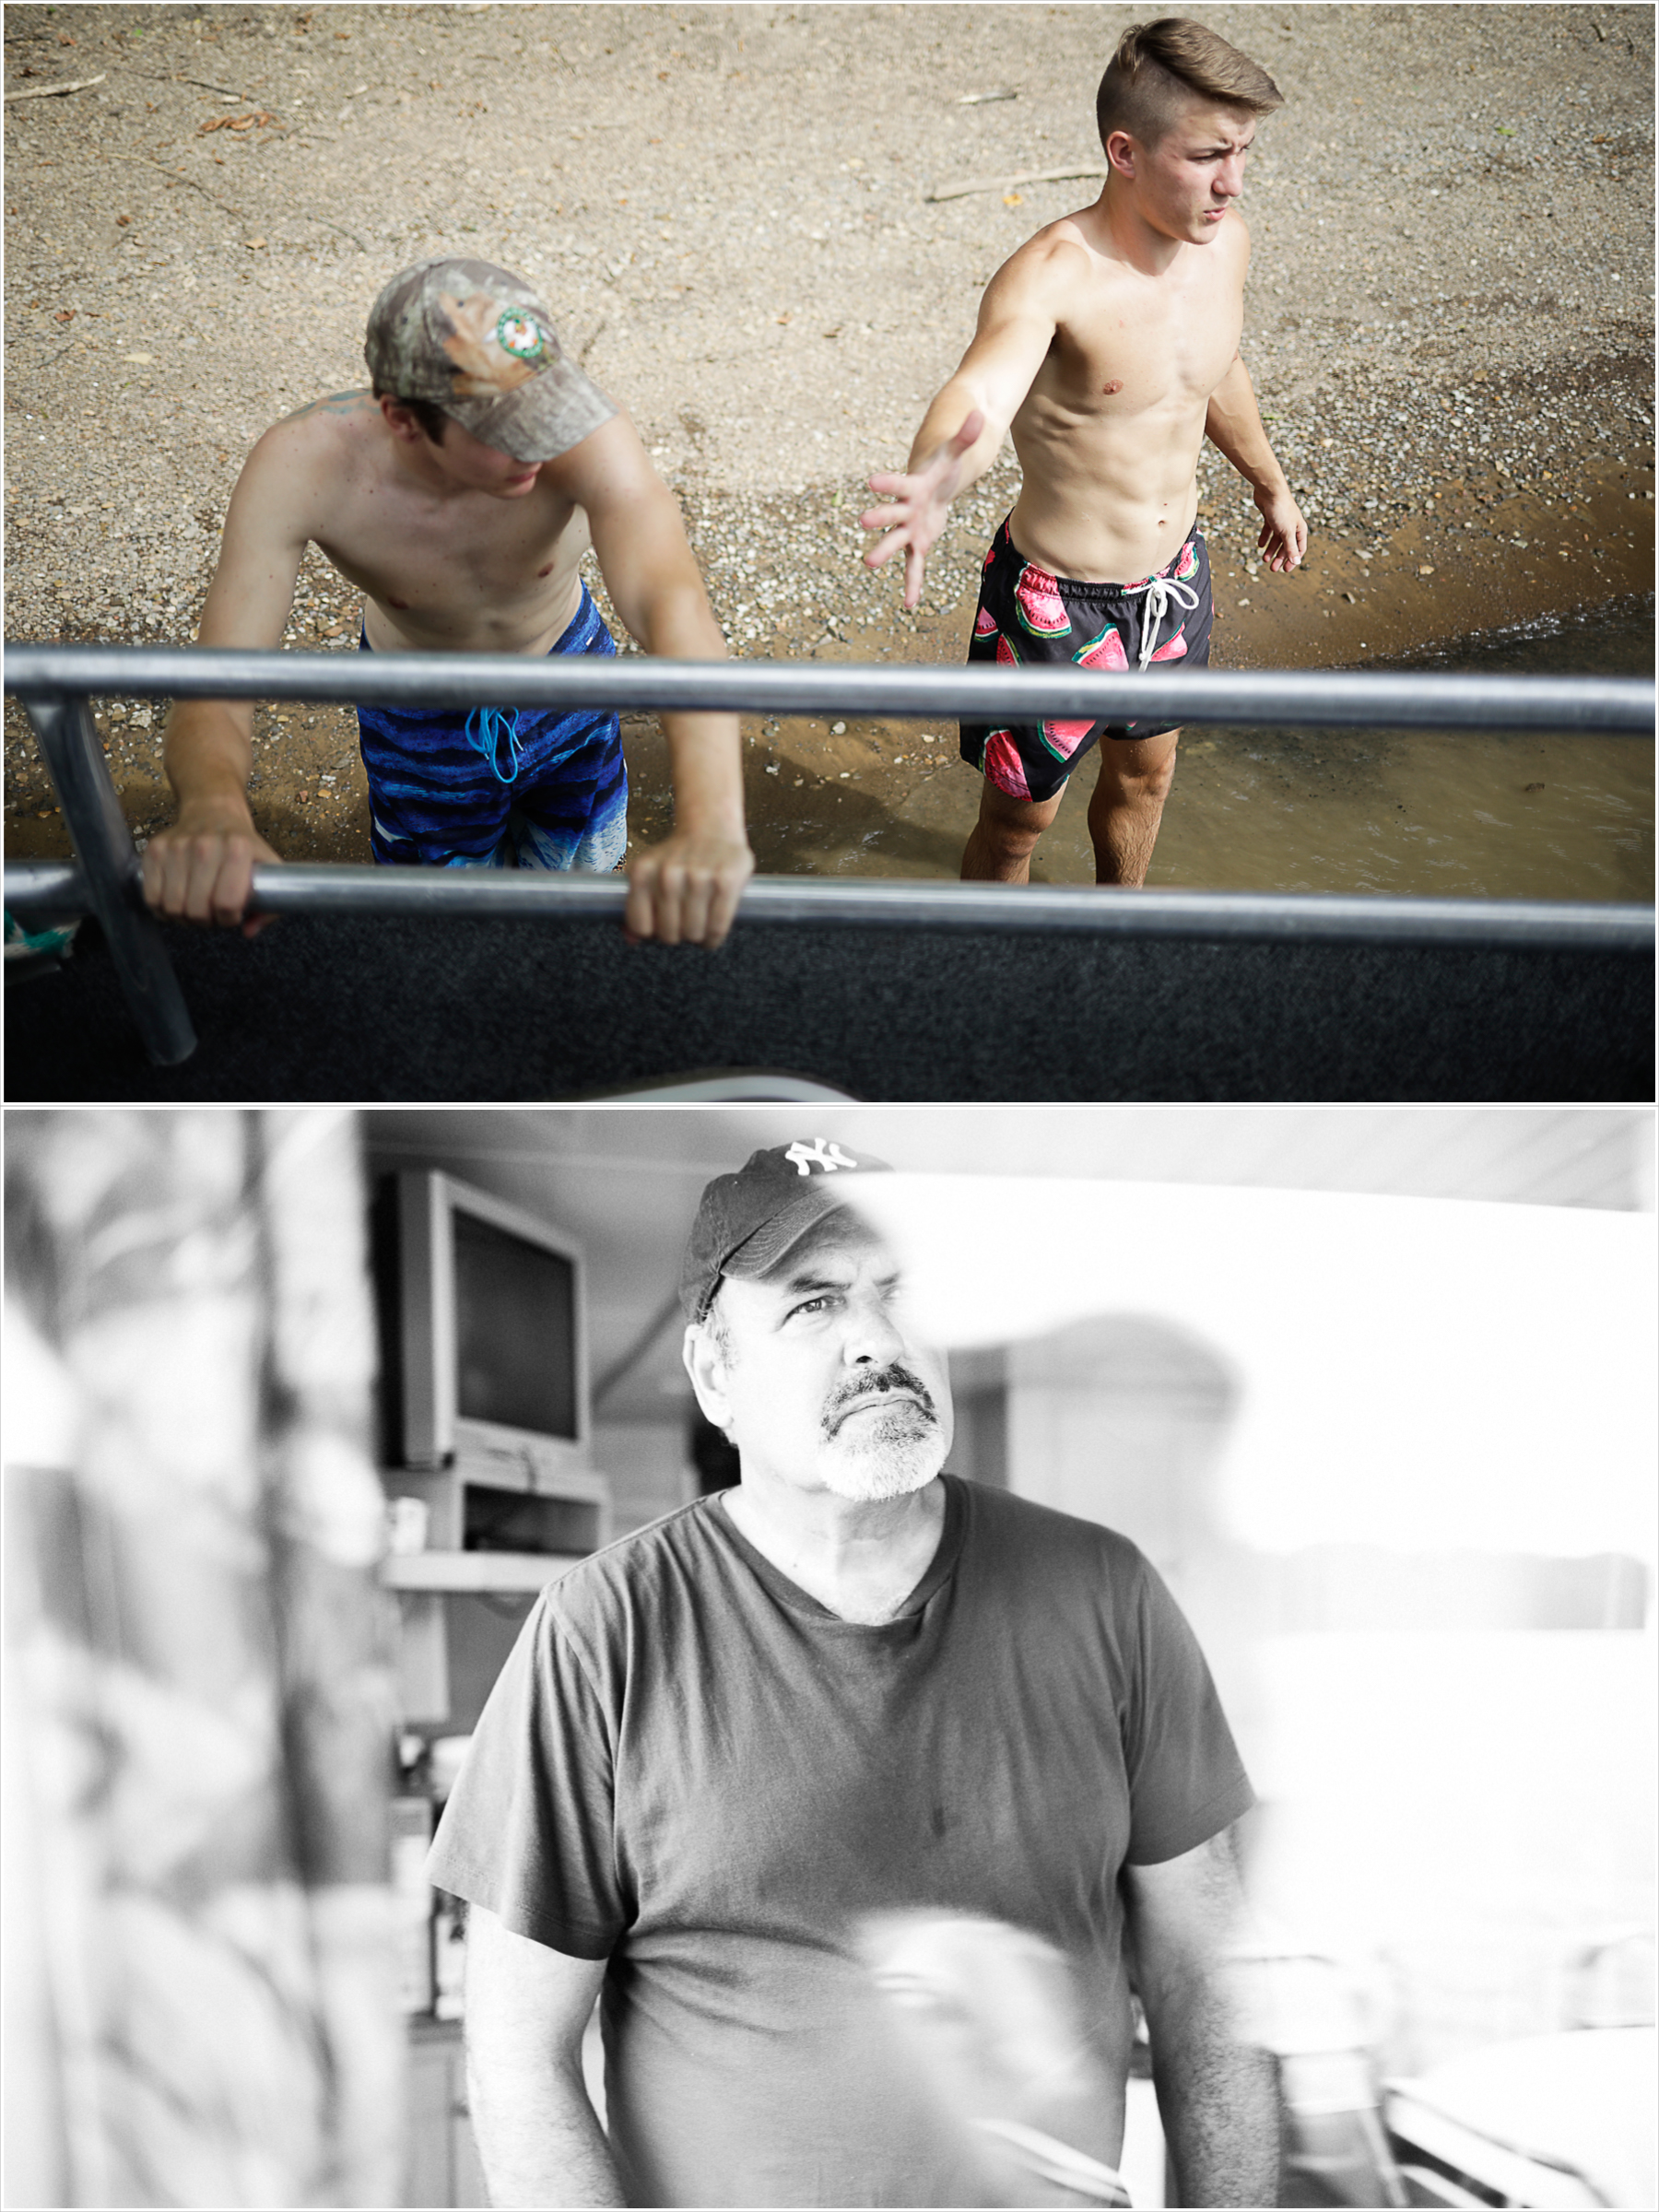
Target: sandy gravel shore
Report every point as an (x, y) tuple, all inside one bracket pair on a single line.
[(733, 212)]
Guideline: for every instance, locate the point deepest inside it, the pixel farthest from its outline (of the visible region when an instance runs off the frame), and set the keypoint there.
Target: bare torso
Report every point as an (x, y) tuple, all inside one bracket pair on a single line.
[(1110, 431), (456, 572), (458, 546)]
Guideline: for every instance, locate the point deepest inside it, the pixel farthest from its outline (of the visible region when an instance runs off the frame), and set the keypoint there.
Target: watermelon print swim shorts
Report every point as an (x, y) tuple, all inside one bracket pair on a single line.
[(1025, 616)]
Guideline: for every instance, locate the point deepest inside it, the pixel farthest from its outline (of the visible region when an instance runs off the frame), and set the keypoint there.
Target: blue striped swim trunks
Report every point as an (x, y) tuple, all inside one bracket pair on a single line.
[(523, 787)]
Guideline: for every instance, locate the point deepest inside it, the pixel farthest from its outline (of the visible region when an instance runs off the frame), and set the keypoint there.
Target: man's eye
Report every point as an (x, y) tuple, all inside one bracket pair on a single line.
[(810, 1305)]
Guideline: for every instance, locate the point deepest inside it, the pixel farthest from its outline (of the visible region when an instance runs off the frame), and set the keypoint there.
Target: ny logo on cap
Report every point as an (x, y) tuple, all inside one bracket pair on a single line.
[(826, 1158)]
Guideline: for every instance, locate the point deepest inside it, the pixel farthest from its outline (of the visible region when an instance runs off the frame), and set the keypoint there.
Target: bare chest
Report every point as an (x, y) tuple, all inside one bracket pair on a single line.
[(444, 561), (1132, 348)]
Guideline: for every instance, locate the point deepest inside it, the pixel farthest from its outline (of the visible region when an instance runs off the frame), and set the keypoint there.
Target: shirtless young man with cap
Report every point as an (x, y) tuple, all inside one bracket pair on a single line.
[(1109, 344), (460, 494)]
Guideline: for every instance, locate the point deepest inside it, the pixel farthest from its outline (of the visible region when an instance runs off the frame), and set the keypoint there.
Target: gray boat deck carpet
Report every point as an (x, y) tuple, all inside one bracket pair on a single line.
[(330, 1007)]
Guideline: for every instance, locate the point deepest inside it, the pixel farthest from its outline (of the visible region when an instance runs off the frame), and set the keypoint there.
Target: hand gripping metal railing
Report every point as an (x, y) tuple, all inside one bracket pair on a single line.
[(55, 683)]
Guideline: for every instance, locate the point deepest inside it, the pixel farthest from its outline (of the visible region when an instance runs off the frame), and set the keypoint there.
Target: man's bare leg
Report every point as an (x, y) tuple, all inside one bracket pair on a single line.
[(999, 851), (1127, 806)]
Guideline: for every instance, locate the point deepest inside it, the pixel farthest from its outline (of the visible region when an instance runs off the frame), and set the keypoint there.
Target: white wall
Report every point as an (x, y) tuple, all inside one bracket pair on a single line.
[(1457, 1773)]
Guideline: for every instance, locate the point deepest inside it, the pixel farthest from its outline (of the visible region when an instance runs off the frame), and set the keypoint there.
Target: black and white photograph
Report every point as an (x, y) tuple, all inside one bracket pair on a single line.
[(820, 1656)]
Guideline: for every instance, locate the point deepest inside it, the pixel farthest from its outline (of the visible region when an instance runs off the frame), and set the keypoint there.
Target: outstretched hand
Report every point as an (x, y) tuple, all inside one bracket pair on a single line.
[(918, 504), (1283, 538), (685, 892)]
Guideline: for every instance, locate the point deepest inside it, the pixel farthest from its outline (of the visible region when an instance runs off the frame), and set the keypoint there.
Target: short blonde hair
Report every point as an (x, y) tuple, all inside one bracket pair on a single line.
[(1161, 67)]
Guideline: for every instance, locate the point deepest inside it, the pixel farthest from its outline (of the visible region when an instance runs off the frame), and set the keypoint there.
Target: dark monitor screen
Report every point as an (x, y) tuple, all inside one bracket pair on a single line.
[(515, 1328)]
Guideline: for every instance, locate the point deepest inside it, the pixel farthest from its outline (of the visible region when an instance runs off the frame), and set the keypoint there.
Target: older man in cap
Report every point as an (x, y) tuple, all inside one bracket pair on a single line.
[(853, 1694), (460, 494)]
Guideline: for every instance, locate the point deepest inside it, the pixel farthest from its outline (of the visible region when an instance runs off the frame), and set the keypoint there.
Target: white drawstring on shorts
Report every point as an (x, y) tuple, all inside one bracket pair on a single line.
[(1159, 590)]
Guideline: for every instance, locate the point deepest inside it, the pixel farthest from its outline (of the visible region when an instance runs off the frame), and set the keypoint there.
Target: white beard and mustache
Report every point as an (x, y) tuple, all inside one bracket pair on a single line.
[(885, 1453)]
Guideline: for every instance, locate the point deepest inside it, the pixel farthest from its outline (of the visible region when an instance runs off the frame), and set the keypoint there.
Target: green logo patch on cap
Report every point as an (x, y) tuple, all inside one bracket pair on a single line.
[(522, 335)]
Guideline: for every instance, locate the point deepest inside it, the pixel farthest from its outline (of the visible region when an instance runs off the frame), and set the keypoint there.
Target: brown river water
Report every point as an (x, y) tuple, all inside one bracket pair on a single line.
[(1498, 580), (1407, 812)]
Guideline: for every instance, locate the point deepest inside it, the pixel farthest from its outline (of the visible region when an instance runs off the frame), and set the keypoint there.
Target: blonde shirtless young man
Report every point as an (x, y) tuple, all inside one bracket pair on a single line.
[(460, 495), (1109, 344)]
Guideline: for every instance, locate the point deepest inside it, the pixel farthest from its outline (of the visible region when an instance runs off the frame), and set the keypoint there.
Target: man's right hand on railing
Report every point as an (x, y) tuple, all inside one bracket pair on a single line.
[(201, 868)]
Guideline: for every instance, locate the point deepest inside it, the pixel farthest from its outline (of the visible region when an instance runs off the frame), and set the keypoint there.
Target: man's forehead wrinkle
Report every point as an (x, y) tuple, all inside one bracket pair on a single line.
[(1212, 129), (811, 1278)]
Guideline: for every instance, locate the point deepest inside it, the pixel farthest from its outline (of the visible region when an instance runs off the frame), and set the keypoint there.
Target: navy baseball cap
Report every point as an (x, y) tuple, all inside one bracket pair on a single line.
[(747, 1221)]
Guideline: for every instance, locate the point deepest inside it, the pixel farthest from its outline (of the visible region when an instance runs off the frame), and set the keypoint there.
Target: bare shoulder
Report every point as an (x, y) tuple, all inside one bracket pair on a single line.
[(1234, 241), (336, 409), (1054, 257), (610, 461), (293, 480), (1036, 284), (324, 434)]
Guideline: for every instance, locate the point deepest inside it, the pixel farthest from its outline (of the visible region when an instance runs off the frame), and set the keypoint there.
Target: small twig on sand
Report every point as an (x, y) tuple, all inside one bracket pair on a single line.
[(1020, 176), (202, 85), (352, 235), (178, 177), (155, 77), (78, 83)]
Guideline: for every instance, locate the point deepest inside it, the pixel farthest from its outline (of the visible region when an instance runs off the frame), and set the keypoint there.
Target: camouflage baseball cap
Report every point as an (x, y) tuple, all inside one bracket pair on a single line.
[(476, 341)]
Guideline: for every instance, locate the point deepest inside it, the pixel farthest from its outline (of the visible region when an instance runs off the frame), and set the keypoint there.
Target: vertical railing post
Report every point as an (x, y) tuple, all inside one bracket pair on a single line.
[(103, 844)]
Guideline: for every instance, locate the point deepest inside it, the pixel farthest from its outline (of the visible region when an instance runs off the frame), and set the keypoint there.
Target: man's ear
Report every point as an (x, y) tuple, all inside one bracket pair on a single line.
[(399, 420), (1122, 152), (705, 1363)]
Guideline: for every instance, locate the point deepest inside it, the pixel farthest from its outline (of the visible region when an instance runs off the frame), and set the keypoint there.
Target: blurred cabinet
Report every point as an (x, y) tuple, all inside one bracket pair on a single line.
[(443, 2166)]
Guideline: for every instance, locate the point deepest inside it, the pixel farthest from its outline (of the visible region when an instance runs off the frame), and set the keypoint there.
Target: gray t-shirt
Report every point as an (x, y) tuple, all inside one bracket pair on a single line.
[(690, 1768)]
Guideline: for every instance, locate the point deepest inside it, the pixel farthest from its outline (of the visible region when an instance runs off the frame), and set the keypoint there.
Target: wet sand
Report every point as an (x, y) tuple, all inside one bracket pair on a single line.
[(1498, 816)]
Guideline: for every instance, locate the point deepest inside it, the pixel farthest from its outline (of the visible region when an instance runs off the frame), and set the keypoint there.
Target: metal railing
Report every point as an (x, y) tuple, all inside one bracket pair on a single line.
[(1622, 705), (55, 683)]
